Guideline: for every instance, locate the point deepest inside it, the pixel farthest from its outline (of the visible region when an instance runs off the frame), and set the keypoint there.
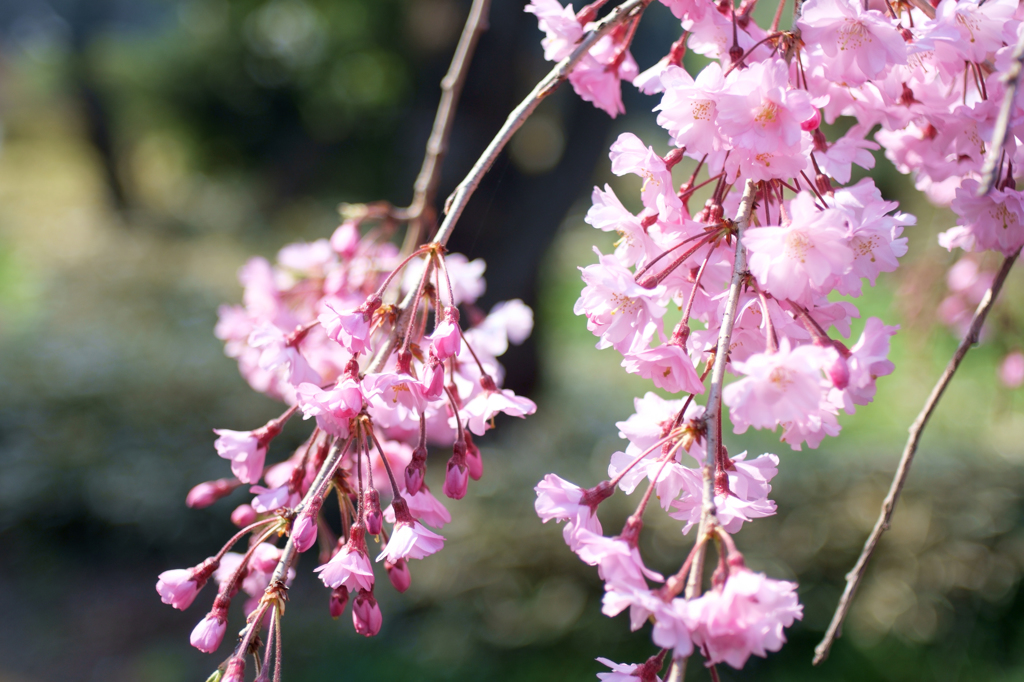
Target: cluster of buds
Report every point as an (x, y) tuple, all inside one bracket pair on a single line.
[(367, 342), (757, 292)]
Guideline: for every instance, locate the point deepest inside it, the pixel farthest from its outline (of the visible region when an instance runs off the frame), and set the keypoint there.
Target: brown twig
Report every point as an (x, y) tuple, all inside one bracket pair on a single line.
[(456, 203), (995, 149), (854, 577), (421, 210)]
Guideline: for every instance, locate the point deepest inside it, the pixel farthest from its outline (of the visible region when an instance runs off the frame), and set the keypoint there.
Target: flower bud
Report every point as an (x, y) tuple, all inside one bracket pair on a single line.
[(209, 633), (304, 531), (366, 616), (339, 598), (205, 494), (177, 588), (415, 471), (243, 515), (398, 574), (813, 122), (456, 479), (839, 373), (372, 514), (473, 459)]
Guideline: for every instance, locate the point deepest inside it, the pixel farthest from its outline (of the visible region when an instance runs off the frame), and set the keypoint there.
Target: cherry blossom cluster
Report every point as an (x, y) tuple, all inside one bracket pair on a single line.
[(369, 343), (762, 287)]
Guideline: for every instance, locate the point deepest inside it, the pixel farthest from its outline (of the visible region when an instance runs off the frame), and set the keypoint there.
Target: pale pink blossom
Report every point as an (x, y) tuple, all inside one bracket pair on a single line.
[(777, 387), (668, 366), (508, 322), (332, 407), (992, 222), (746, 616), (563, 501), (859, 44), (617, 562), (446, 340), (689, 108), (246, 452), (479, 411), (619, 311), (800, 260), (350, 328), (630, 155), (177, 587), (759, 110), (424, 507), (409, 538), (559, 24), (869, 359), (350, 567)]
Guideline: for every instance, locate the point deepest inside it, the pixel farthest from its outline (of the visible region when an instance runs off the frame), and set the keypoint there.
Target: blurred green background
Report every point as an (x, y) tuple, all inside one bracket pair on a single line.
[(150, 147)]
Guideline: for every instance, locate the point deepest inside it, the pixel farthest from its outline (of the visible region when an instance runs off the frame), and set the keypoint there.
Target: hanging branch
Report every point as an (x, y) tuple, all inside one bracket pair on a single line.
[(421, 210), (460, 197), (854, 577), (995, 150)]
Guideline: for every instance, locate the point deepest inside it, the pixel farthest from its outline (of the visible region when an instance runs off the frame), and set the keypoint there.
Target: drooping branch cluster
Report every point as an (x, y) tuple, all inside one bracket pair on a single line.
[(756, 292)]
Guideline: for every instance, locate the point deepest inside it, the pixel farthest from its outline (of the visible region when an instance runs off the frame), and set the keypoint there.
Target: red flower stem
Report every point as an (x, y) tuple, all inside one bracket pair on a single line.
[(391, 275), (238, 536), (685, 193), (229, 585), (670, 268), (696, 285), (619, 476), (455, 410), (669, 250), (665, 459), (415, 304)]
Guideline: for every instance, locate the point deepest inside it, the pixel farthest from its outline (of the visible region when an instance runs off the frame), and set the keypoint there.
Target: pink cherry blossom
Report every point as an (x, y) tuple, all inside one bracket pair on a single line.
[(479, 411), (446, 340), (625, 672), (689, 108), (797, 261), (333, 407), (617, 563), (245, 451), (561, 500), (177, 587), (777, 387), (668, 366), (860, 44), (560, 24), (424, 507), (992, 222), (619, 311), (409, 538), (746, 616), (350, 567), (759, 111)]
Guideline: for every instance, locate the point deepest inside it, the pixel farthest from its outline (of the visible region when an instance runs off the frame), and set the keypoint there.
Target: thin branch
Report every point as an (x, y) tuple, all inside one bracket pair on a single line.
[(425, 187), (456, 203), (854, 577), (713, 411), (995, 149)]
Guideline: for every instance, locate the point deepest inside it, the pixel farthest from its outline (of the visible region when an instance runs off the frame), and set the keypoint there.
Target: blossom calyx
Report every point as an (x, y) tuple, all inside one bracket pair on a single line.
[(371, 513)]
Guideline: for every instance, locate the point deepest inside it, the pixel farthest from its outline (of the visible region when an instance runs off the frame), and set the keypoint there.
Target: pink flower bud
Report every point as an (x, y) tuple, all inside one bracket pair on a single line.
[(433, 378), (339, 598), (415, 471), (205, 494), (243, 515), (457, 476), (398, 574), (235, 671), (366, 616), (177, 588), (813, 122), (372, 514), (304, 531), (446, 340), (473, 459), (839, 373), (209, 633), (345, 239)]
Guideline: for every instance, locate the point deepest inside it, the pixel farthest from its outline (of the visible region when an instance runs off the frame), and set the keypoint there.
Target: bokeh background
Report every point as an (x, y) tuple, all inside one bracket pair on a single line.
[(150, 147)]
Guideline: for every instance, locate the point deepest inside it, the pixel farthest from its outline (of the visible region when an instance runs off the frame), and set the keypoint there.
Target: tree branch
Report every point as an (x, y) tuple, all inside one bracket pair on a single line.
[(854, 577), (456, 203), (421, 210), (713, 410), (995, 149)]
